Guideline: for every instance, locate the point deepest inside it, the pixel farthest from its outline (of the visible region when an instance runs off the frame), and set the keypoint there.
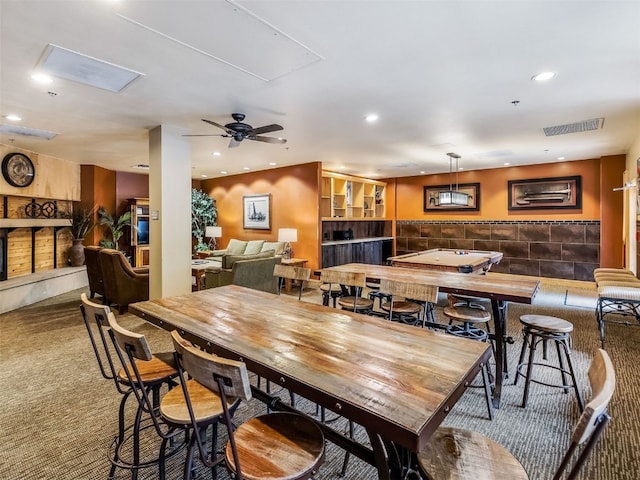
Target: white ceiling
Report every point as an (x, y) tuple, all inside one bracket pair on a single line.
[(442, 75)]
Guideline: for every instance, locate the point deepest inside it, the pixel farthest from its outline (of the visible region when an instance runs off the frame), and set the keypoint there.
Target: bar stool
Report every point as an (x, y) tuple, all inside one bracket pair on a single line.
[(543, 329), (356, 281), (471, 315), (330, 291)]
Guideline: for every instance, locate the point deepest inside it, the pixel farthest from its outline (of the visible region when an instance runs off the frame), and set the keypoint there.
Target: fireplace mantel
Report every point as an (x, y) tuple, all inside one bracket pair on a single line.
[(34, 222)]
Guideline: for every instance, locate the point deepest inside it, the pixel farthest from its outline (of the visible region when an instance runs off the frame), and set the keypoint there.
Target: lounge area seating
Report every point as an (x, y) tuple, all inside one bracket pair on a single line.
[(618, 293), (122, 284), (248, 247), (253, 271)]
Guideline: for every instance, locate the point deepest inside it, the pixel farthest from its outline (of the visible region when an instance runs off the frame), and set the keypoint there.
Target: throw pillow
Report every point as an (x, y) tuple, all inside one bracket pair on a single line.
[(236, 247), (253, 246), (277, 246)]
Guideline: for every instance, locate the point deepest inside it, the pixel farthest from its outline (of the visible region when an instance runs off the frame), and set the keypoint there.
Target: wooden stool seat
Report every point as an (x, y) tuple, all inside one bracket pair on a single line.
[(357, 304), (206, 405), (403, 307), (454, 453), (547, 323), (277, 446), (467, 314), (330, 290), (158, 369)]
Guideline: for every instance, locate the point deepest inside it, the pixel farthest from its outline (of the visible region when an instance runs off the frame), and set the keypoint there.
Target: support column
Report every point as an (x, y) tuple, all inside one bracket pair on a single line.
[(169, 212)]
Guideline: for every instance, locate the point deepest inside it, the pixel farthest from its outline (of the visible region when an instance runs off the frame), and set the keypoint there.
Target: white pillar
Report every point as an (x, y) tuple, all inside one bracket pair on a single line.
[(169, 212)]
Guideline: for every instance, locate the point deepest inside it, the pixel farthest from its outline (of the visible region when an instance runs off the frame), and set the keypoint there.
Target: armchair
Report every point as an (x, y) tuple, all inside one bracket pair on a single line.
[(122, 284), (94, 272)]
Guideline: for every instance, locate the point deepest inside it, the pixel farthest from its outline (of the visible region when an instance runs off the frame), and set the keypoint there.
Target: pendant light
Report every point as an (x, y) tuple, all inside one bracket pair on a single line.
[(453, 197)]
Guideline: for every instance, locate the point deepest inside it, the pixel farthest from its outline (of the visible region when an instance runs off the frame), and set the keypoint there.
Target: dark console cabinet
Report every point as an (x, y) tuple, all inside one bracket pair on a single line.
[(373, 252)]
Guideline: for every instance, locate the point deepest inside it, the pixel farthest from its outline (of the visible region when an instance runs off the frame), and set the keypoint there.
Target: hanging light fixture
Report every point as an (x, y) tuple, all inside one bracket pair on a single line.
[(453, 197)]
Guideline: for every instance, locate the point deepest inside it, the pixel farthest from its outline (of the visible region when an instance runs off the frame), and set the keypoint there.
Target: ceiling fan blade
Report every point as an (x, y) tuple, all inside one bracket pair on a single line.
[(206, 135), (233, 143), (266, 129), (211, 122), (268, 139)]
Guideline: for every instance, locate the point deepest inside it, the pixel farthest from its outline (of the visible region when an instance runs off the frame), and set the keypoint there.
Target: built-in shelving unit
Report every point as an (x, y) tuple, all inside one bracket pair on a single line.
[(353, 198), (140, 234)]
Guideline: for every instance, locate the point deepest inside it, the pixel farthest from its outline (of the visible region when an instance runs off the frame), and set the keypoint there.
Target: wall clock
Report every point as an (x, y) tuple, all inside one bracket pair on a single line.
[(18, 170)]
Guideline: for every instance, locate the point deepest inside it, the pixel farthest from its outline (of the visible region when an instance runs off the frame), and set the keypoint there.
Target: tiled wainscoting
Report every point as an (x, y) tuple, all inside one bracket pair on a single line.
[(569, 250)]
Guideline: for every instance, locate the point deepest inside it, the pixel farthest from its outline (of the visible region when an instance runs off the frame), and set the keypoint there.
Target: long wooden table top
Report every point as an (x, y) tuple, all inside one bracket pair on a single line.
[(487, 286), (396, 380)]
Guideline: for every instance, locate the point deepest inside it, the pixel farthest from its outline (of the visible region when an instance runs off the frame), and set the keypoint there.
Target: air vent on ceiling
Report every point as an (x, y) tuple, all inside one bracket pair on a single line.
[(27, 132), (583, 126), (74, 66)]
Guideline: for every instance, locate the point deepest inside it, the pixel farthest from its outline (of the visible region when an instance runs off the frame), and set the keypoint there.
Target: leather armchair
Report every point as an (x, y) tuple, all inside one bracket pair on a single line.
[(94, 272), (122, 284)]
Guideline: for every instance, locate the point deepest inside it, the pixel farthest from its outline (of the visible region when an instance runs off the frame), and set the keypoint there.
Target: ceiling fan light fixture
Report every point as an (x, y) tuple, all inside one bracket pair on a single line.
[(453, 197)]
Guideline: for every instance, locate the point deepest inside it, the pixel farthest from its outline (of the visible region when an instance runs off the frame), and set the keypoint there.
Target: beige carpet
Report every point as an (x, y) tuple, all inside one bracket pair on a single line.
[(58, 414)]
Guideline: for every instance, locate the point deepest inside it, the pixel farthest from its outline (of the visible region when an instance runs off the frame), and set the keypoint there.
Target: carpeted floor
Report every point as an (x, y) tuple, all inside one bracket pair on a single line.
[(58, 414)]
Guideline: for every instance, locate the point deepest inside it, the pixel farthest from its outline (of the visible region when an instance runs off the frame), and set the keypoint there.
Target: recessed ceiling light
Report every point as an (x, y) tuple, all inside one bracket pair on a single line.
[(506, 164), (223, 172), (246, 168), (216, 154), (272, 163), (203, 176), (422, 172), (41, 78), (544, 76), (560, 158), (372, 117), (13, 117)]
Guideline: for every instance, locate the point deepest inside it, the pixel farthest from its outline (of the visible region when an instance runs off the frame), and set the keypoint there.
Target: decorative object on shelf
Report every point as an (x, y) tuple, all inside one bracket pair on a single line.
[(256, 211), (432, 197), (203, 213), (545, 193), (451, 197), (18, 170), (46, 209), (213, 232), (82, 222), (287, 235), (115, 225)]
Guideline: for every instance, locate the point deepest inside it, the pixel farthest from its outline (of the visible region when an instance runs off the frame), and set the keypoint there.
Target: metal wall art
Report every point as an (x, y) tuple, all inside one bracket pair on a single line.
[(257, 211), (432, 197), (545, 193)]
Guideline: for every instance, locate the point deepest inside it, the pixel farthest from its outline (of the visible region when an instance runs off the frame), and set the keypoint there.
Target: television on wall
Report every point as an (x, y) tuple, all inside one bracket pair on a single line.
[(143, 231)]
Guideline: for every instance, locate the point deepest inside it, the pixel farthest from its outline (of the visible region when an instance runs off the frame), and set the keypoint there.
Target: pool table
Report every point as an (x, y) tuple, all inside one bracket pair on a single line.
[(448, 259)]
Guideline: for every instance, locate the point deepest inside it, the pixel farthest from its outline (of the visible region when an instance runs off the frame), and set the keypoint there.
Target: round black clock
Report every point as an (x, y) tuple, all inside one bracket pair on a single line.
[(18, 170)]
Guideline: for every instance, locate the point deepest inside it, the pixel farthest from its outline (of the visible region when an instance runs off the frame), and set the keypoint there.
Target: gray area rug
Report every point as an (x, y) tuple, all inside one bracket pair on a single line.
[(59, 415)]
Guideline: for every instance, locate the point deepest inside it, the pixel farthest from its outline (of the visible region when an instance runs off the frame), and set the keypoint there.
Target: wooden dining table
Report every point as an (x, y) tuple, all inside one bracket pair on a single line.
[(500, 290), (397, 381)]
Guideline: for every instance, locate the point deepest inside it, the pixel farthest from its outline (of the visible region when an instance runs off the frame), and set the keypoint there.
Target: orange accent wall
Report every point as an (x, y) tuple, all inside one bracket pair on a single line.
[(494, 194), (612, 252), (98, 188), (295, 203)]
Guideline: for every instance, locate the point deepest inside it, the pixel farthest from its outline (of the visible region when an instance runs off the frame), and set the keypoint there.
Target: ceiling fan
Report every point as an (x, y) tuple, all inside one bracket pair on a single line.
[(239, 131)]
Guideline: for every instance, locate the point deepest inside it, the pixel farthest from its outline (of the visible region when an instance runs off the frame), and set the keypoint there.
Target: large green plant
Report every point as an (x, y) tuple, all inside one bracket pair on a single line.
[(115, 225), (203, 214)]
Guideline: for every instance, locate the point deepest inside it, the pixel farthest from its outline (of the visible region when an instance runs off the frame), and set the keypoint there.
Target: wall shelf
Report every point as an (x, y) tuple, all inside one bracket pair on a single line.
[(345, 197)]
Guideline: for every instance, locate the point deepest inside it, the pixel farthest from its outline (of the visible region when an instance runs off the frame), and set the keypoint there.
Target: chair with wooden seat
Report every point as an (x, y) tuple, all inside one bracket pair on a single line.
[(276, 446), (464, 455), (407, 309), (330, 294), (157, 372), (353, 301), (290, 272), (542, 329)]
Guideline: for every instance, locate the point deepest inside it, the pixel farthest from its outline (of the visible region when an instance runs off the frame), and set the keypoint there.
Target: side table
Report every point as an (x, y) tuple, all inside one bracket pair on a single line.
[(294, 262)]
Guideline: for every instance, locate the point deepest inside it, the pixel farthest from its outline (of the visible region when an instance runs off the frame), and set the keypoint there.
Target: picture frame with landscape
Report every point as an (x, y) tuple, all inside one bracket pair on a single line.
[(256, 211)]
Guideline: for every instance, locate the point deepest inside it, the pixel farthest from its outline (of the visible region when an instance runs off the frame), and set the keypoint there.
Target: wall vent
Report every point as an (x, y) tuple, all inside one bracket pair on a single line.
[(27, 132), (583, 126)]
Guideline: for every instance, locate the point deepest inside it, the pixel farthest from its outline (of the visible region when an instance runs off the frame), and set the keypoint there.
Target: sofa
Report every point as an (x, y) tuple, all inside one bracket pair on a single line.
[(247, 270), (247, 247)]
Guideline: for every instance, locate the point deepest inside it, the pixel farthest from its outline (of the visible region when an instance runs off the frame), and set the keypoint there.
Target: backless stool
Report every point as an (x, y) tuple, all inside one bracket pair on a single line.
[(543, 329)]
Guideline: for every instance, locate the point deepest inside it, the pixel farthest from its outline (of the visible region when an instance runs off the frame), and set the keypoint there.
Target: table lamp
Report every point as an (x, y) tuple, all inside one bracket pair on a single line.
[(287, 235), (212, 233)]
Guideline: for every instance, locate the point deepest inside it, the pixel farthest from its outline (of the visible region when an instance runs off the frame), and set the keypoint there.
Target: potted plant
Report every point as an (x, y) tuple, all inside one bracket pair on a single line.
[(203, 213), (115, 226), (82, 221)]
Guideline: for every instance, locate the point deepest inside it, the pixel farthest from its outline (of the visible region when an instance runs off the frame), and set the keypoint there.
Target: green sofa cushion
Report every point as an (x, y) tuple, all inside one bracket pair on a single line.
[(236, 247), (277, 246), (254, 246), (229, 260)]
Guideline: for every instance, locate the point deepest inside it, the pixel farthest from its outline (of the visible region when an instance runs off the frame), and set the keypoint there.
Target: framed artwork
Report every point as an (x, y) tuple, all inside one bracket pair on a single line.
[(432, 197), (545, 193), (256, 211)]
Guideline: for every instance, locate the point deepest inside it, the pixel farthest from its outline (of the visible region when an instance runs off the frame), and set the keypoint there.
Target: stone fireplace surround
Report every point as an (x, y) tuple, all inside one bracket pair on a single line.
[(554, 249)]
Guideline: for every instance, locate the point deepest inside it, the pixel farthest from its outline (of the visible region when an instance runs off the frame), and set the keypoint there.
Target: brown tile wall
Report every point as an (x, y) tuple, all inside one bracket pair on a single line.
[(569, 250)]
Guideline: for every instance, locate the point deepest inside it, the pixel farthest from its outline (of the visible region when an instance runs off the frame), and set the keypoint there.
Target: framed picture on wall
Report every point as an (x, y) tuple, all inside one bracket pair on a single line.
[(545, 193), (432, 200), (256, 211)]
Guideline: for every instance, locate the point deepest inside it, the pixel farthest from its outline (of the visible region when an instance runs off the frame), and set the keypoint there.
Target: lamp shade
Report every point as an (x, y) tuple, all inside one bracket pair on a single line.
[(288, 235), (213, 232)]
